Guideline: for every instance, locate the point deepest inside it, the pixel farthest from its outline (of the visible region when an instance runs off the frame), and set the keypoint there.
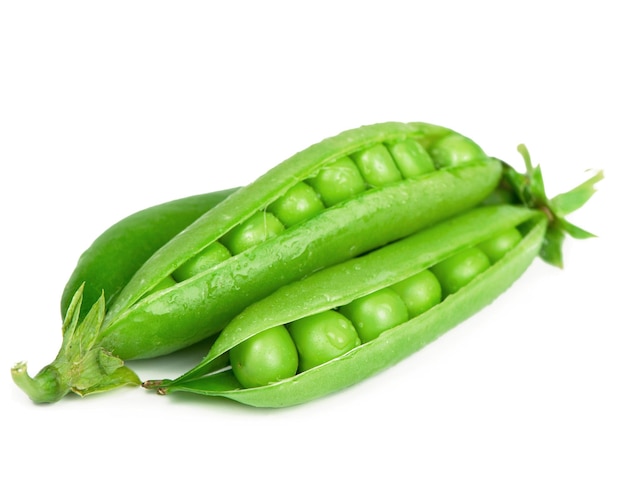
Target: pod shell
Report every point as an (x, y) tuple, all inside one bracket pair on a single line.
[(320, 293), (115, 255)]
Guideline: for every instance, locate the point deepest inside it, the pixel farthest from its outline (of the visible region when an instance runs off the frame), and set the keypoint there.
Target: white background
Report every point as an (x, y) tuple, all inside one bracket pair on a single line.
[(110, 107)]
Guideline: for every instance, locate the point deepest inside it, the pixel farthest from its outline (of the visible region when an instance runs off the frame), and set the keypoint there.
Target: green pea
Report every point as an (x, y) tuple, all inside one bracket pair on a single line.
[(322, 337), (411, 158), (455, 149), (375, 313), (377, 166), (299, 203), (419, 292), (496, 247), (267, 357), (338, 181), (207, 258), (255, 230), (458, 270), (165, 283)]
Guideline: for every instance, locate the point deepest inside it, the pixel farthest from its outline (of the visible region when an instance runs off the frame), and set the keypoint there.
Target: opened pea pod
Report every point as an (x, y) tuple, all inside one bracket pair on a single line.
[(343, 324)]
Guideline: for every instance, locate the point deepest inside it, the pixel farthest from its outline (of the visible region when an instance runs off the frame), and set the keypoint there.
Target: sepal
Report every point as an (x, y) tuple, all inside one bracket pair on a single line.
[(81, 366), (529, 190)]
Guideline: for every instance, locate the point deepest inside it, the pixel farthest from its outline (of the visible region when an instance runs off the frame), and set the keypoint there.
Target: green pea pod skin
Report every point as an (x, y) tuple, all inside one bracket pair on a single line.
[(115, 255), (204, 304), (342, 283)]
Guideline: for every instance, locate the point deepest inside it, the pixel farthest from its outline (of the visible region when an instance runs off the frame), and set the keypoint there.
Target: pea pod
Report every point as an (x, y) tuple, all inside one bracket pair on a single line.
[(340, 285), (115, 255), (484, 230)]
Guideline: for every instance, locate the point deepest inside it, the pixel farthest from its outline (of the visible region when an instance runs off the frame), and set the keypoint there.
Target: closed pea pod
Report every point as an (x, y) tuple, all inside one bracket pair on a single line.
[(389, 267), (116, 254)]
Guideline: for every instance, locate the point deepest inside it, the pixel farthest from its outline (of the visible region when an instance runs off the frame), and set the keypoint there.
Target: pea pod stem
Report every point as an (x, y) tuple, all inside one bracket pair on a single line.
[(81, 366), (529, 189)]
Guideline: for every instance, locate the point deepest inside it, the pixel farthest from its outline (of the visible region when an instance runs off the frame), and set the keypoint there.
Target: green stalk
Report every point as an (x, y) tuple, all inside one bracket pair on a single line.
[(81, 366)]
